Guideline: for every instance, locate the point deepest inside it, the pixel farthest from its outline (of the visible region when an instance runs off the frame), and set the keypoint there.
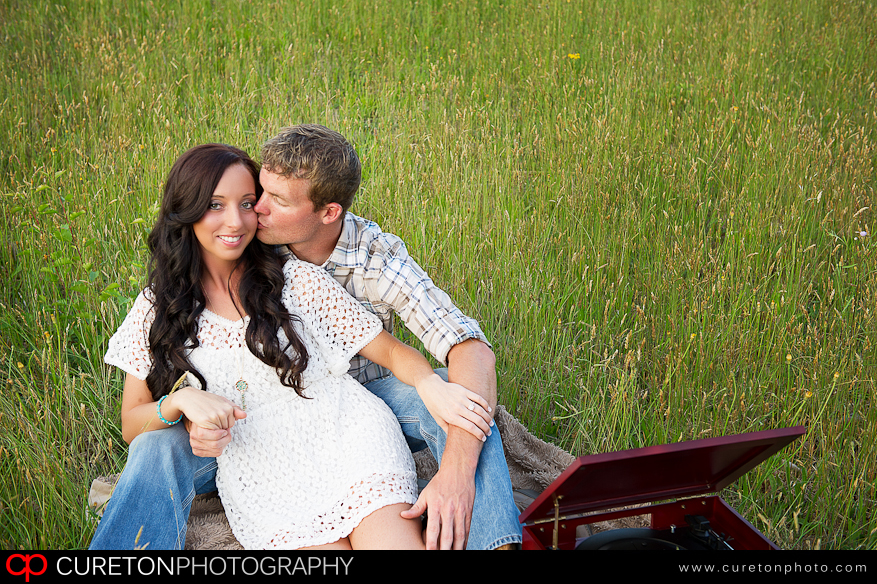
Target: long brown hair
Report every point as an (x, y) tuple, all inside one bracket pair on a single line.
[(175, 277)]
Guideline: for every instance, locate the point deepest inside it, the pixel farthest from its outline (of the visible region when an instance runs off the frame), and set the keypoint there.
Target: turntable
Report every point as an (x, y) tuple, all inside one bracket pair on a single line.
[(672, 484)]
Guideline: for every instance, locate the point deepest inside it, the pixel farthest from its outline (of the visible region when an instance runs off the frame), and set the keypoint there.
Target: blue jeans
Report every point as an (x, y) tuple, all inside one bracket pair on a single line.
[(151, 502), (150, 505)]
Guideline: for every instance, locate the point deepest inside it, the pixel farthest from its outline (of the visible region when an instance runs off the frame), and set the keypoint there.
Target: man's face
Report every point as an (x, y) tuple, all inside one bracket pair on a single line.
[(286, 213)]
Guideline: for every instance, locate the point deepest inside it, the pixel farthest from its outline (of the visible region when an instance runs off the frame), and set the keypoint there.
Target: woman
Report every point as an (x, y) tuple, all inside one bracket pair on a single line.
[(315, 459)]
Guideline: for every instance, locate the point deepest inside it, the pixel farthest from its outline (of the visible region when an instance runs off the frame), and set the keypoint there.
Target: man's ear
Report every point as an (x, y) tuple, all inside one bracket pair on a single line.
[(331, 213)]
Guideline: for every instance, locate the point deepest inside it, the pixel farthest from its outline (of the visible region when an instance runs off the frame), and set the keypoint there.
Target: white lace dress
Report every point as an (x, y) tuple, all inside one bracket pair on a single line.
[(298, 472)]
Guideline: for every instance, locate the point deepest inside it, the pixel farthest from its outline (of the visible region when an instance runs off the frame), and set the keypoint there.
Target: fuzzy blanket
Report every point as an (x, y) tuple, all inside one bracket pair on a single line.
[(533, 465)]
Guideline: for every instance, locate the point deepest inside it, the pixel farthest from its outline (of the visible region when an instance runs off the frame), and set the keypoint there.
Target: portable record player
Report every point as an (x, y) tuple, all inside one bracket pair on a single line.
[(672, 484)]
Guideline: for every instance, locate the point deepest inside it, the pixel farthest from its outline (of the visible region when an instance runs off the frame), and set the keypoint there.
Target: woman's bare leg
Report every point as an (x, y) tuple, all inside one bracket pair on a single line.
[(385, 529), (342, 545)]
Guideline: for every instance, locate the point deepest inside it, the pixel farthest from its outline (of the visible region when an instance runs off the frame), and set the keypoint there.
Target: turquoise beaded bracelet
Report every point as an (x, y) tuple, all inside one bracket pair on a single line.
[(160, 417)]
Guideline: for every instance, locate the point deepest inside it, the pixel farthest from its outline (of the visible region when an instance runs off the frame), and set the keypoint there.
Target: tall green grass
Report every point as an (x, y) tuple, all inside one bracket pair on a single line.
[(661, 213)]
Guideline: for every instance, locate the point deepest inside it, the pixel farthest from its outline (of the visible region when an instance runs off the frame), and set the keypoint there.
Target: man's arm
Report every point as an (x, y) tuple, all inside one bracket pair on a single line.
[(471, 364), (450, 495), (474, 363)]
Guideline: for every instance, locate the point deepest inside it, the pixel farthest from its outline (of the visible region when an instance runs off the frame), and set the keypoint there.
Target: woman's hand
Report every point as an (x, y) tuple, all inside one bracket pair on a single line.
[(205, 410), (202, 409), (453, 404), (450, 404)]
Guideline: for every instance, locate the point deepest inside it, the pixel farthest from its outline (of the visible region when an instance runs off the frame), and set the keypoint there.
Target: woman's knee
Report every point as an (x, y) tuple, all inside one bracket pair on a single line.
[(386, 529)]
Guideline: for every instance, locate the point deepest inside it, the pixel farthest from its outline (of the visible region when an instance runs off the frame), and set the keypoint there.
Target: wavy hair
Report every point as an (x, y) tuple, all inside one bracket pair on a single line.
[(175, 278)]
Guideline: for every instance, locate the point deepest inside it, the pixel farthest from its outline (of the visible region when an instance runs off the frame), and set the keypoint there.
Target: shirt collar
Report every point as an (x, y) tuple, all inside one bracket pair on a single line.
[(346, 253)]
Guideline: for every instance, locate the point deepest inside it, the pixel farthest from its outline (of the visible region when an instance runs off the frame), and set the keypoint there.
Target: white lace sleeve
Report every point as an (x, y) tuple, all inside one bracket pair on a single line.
[(338, 321), (129, 346)]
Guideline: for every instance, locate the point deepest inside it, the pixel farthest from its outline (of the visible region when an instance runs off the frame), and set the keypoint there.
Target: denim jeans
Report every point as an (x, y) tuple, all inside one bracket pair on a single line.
[(151, 502), (150, 505)]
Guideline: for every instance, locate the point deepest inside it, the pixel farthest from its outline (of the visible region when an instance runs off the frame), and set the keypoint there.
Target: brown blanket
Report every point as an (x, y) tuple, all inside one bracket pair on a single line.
[(533, 465)]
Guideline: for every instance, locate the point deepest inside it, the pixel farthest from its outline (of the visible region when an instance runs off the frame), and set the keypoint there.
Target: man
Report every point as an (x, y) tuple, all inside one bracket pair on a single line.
[(310, 176)]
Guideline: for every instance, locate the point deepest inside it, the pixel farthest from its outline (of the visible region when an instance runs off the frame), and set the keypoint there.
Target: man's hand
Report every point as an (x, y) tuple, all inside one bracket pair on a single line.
[(209, 443), (448, 500)]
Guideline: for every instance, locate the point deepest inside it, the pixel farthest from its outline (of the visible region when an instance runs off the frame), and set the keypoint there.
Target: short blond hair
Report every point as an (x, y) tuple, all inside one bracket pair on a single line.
[(320, 155)]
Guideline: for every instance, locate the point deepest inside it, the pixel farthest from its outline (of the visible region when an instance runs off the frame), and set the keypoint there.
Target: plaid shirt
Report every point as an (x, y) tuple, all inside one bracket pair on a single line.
[(375, 268)]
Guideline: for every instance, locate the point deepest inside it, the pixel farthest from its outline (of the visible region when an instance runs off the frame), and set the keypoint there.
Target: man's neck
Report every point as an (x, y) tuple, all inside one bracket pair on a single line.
[(319, 249)]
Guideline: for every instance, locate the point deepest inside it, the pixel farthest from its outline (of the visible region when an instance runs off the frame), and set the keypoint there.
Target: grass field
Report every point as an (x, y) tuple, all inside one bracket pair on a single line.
[(661, 213)]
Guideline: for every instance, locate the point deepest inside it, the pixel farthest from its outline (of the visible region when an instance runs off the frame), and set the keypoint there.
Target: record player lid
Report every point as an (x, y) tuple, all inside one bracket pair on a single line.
[(657, 473)]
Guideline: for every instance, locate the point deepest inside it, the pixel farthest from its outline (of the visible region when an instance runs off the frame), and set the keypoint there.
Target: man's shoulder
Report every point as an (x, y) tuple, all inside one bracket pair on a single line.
[(366, 238), (362, 228)]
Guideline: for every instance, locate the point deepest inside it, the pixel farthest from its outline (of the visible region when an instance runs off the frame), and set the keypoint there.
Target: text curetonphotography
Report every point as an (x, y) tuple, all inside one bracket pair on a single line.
[(203, 566)]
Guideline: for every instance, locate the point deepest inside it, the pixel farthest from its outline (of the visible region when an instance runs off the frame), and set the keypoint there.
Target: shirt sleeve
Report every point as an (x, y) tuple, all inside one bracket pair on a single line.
[(337, 320), (128, 348), (428, 312)]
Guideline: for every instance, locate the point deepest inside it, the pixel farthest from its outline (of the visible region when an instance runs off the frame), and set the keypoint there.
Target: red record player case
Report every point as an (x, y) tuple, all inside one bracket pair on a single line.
[(666, 482)]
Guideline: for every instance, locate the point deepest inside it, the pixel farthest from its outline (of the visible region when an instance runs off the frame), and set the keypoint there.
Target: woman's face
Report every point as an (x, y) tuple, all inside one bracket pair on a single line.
[(230, 223)]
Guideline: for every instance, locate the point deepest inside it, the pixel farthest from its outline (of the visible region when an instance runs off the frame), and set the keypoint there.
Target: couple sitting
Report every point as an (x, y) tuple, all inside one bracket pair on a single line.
[(294, 389)]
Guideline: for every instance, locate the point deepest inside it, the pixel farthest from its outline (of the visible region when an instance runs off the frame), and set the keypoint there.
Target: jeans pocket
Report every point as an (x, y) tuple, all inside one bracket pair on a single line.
[(417, 438)]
